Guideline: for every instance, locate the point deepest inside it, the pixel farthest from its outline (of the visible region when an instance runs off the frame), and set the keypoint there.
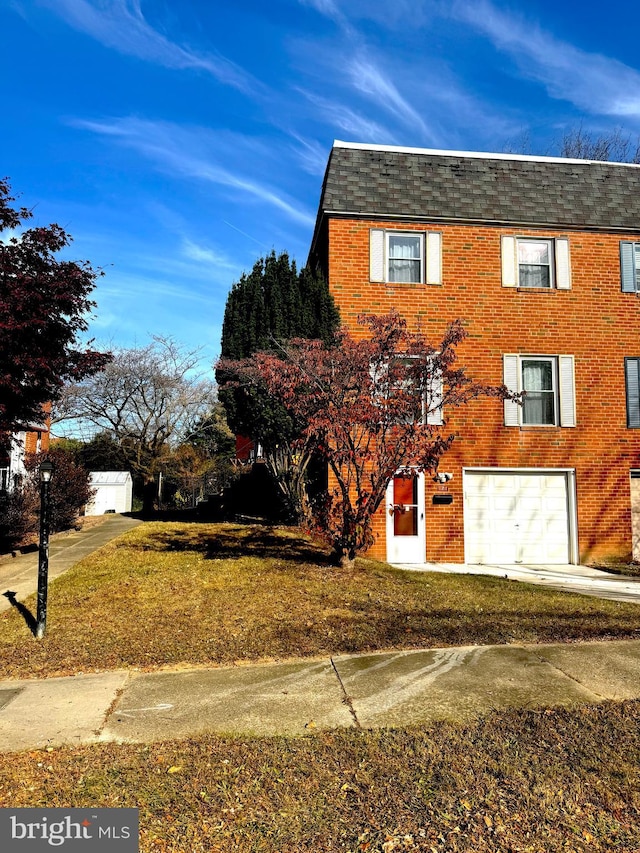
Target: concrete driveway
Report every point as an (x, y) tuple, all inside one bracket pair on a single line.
[(567, 578)]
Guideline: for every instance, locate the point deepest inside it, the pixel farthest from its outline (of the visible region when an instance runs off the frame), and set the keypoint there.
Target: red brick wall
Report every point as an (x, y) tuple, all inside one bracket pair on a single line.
[(31, 441), (594, 321), (39, 440)]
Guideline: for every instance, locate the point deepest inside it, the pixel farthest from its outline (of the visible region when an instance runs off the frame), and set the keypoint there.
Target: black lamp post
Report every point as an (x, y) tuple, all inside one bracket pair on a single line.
[(46, 471)]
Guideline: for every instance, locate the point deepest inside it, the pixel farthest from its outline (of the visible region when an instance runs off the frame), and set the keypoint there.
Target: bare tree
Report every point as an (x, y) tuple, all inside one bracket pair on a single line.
[(149, 399), (615, 145)]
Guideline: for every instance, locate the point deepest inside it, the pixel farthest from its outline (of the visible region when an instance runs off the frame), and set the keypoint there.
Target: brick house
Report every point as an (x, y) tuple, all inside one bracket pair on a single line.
[(33, 438), (540, 257)]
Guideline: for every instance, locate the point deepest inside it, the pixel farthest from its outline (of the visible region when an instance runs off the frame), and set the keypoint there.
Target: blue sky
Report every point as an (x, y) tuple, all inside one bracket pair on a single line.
[(180, 140)]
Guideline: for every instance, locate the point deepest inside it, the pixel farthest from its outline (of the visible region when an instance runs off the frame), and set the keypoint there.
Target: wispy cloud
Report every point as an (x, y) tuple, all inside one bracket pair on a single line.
[(347, 65), (170, 309), (196, 270), (328, 8), (121, 25), (332, 10), (390, 16), (190, 153), (344, 118), (592, 82), (311, 155), (369, 79), (351, 64), (454, 109), (205, 255)]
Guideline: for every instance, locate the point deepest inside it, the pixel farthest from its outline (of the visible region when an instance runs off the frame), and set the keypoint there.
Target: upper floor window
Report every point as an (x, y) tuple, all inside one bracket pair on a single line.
[(548, 390), (632, 382), (535, 262), (405, 257), (630, 266)]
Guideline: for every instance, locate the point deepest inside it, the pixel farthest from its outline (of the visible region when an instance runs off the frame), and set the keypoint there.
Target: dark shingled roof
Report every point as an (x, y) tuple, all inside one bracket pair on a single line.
[(435, 185)]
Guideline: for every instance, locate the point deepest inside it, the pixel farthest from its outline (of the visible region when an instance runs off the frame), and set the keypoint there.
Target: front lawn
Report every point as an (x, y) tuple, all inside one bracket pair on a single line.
[(554, 781), (616, 568), (169, 593)]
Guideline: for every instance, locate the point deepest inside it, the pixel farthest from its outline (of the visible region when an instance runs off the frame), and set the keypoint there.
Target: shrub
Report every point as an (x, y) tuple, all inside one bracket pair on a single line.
[(20, 509), (70, 490), (17, 519)]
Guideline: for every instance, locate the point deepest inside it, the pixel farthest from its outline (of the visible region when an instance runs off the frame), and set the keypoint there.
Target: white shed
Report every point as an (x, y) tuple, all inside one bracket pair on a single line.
[(113, 492)]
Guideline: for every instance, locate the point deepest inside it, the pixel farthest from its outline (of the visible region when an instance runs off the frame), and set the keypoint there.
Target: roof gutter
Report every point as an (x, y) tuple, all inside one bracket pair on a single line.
[(408, 217)]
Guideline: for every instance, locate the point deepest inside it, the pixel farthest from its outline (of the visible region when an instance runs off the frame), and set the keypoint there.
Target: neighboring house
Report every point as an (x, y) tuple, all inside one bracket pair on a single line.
[(32, 439), (113, 492), (540, 257), (247, 450)]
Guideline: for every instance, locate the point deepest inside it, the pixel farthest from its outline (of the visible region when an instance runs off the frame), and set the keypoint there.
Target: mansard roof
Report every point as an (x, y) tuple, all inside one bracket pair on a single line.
[(387, 182)]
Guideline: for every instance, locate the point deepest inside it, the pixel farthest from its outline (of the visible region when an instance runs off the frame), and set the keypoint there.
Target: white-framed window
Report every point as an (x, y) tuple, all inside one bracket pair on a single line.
[(547, 386), (424, 387), (535, 267), (405, 257), (536, 262), (539, 385), (629, 266)]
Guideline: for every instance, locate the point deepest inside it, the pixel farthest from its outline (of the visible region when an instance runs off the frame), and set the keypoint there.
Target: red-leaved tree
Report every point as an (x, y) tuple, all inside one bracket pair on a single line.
[(370, 407), (44, 302)]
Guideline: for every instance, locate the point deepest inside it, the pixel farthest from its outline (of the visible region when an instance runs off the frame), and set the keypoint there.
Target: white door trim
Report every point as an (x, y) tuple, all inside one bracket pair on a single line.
[(414, 550), (572, 503)]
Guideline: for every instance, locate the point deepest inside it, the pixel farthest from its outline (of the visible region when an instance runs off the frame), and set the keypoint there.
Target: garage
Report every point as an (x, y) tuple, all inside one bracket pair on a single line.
[(519, 516), (112, 492)]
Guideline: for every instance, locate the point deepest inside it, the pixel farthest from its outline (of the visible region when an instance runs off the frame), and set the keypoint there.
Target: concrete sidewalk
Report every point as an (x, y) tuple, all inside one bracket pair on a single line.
[(20, 574), (298, 697)]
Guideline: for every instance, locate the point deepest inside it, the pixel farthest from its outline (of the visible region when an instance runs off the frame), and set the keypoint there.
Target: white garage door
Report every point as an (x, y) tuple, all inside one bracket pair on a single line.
[(516, 517), (105, 499)]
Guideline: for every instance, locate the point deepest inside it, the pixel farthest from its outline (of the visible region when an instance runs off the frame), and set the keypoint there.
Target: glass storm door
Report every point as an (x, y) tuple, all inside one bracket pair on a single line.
[(405, 518)]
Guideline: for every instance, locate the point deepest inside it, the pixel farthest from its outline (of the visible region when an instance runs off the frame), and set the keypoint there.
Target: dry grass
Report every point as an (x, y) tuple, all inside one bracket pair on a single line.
[(617, 568), (30, 541), (171, 593), (562, 780)]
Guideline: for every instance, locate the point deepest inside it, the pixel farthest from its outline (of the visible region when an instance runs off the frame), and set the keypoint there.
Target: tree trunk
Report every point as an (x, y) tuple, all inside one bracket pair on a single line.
[(344, 557), (148, 498)]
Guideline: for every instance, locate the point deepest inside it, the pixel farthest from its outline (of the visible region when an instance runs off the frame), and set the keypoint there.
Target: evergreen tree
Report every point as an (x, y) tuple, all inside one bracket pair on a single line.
[(266, 308), (275, 303)]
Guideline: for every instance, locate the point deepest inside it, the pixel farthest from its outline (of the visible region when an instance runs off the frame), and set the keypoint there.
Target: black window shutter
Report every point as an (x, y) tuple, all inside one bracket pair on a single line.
[(632, 373)]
